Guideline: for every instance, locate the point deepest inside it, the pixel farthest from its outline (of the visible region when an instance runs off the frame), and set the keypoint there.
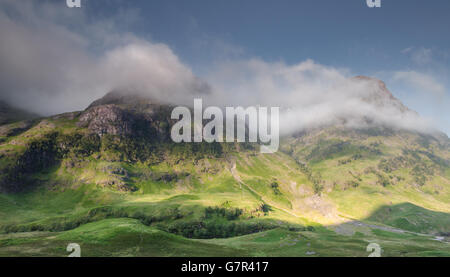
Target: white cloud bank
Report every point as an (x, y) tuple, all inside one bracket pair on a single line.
[(47, 64), (311, 95)]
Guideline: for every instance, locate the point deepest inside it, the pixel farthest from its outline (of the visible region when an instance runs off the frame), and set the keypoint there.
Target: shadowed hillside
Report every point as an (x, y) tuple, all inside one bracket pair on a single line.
[(9, 114)]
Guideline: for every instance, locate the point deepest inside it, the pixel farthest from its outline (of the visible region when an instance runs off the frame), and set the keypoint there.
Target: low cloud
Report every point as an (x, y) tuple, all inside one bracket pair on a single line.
[(52, 61), (312, 95), (420, 81), (49, 65)]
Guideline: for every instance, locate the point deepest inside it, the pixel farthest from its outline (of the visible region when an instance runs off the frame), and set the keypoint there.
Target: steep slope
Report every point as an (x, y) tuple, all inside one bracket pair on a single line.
[(113, 169), (361, 169)]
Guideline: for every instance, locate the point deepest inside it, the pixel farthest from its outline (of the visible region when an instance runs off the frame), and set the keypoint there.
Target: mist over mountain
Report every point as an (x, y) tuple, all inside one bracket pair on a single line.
[(357, 164), (9, 114), (49, 67), (313, 95)]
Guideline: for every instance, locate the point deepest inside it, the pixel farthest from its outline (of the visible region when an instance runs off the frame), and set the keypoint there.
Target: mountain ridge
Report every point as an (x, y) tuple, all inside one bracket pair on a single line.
[(114, 163), (11, 114)]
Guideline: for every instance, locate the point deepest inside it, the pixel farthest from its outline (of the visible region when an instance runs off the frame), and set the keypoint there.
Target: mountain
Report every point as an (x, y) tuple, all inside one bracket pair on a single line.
[(110, 179), (10, 114), (379, 95)]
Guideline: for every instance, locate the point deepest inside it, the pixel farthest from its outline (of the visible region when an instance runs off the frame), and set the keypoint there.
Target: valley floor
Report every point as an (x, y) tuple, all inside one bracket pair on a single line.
[(128, 237)]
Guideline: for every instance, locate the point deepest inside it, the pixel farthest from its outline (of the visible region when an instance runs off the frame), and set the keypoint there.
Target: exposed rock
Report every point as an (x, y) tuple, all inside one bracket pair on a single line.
[(107, 119), (127, 115)]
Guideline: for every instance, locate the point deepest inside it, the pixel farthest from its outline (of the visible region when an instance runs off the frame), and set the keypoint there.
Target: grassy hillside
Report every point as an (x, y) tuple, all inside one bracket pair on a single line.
[(122, 189), (129, 237)]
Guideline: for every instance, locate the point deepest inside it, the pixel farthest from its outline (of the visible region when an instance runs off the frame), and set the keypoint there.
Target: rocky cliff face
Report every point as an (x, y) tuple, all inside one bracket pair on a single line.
[(108, 119), (127, 115)]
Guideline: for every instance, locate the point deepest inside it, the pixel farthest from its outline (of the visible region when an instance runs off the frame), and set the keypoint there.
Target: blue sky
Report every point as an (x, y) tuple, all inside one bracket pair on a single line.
[(340, 33), (406, 43)]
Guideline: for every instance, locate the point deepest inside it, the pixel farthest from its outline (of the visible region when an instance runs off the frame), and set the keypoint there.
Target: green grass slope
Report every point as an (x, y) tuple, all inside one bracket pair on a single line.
[(329, 192)]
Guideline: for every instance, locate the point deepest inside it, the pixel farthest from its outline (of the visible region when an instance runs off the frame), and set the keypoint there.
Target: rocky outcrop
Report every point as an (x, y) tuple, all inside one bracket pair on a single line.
[(127, 115), (107, 119)]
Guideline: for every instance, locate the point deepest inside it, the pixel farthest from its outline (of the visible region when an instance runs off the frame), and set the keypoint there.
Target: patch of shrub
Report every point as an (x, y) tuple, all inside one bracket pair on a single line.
[(228, 213), (216, 229), (275, 188)]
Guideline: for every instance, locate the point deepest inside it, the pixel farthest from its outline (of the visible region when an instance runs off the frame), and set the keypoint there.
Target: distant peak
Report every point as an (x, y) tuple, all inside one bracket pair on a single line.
[(376, 81), (122, 98), (379, 87), (367, 78)]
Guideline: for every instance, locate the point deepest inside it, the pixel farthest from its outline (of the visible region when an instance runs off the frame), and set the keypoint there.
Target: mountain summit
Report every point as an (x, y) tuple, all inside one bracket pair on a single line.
[(124, 114), (379, 94)]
